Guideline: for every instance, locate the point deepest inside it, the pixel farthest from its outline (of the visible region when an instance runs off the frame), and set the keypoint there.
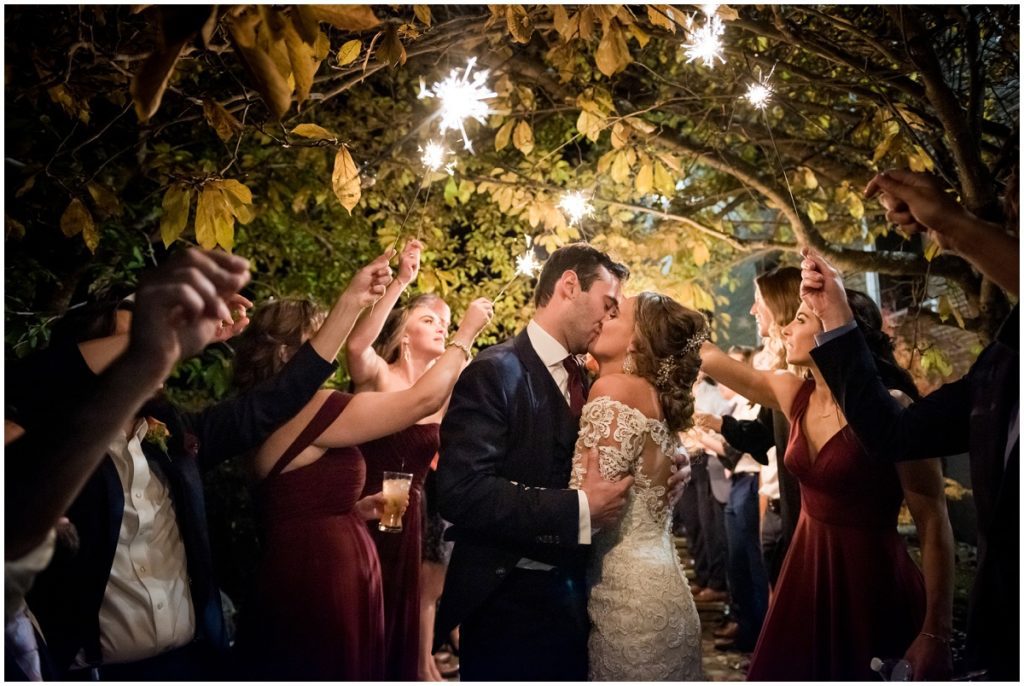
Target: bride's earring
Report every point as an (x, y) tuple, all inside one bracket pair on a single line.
[(628, 365)]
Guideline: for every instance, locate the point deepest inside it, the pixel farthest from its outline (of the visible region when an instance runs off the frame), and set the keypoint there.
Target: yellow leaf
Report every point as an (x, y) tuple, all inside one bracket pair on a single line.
[(604, 162), (586, 21), (222, 121), (345, 180), (620, 134), (422, 13), (273, 86), (806, 178), (534, 214), (855, 205), (817, 212), (175, 204), (661, 16), (75, 219), (645, 178), (560, 18), (590, 124), (214, 223), (314, 131), (391, 51), (726, 13), (700, 253), (663, 181), (304, 62), (347, 17), (620, 168), (522, 138), (26, 187), (106, 202), (349, 52), (504, 134), (931, 248), (91, 235), (642, 38), (920, 160), (612, 54), (520, 26)]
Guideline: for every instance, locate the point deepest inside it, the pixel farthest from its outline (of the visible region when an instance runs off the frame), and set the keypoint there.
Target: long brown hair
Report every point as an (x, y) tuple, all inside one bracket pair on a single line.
[(280, 323), (389, 343), (665, 353), (780, 291)]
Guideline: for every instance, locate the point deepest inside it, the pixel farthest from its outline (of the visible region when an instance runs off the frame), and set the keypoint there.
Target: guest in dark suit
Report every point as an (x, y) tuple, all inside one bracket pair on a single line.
[(978, 413), (46, 469), (139, 601), (515, 582)]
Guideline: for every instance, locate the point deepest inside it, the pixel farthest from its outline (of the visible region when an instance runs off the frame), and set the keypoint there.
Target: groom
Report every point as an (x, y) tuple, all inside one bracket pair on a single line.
[(516, 579)]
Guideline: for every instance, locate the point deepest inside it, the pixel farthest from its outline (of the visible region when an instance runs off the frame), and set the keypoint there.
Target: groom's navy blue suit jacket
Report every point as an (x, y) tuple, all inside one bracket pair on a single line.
[(506, 456), (971, 415)]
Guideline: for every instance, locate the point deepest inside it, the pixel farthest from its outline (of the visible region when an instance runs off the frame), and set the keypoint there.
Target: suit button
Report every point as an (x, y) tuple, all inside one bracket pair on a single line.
[(500, 572)]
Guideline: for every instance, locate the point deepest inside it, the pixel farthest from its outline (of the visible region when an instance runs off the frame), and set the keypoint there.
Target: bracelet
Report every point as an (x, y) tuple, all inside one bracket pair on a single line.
[(463, 347), (940, 639)]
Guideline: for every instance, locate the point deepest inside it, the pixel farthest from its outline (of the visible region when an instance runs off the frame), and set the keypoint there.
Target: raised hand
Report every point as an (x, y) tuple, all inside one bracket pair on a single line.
[(821, 288), (477, 315), (229, 328), (409, 262), (370, 282), (179, 307), (605, 498), (917, 203)]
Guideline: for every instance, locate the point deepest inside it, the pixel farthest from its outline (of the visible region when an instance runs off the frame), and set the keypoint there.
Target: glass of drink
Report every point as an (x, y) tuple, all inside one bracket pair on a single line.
[(396, 499)]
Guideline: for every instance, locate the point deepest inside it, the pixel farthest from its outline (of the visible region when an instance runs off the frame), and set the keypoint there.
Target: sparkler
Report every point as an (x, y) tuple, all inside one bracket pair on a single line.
[(758, 94), (435, 157), (576, 205), (706, 42), (461, 98), (527, 265)]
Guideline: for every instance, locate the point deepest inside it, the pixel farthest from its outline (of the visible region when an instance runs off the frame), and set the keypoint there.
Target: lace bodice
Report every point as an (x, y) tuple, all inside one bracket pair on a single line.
[(644, 622)]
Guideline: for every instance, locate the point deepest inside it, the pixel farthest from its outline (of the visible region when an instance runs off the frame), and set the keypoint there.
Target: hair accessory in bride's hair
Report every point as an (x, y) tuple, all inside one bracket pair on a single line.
[(668, 365), (665, 369), (694, 343)]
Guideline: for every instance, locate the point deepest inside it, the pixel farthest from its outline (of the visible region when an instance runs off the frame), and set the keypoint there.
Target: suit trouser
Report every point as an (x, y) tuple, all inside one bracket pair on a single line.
[(532, 628), (773, 545), (712, 529), (748, 580)]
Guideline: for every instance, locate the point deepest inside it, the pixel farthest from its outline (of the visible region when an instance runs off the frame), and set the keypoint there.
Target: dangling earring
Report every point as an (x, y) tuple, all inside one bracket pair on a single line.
[(406, 351), (628, 365)]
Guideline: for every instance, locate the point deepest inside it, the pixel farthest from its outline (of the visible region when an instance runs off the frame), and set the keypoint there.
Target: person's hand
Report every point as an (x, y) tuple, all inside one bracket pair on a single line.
[(372, 506), (605, 498), (821, 289), (917, 203), (930, 659), (708, 422), (229, 328), (679, 477), (370, 282), (475, 319), (409, 262), (179, 307)]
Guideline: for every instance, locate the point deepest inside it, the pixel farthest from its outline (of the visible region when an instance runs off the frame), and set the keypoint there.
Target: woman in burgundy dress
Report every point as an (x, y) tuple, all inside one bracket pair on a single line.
[(318, 612), (413, 338), (848, 590)]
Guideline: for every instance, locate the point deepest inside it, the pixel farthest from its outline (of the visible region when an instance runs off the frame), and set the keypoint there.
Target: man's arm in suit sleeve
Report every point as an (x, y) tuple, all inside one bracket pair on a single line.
[(934, 426), (475, 440), (241, 423)]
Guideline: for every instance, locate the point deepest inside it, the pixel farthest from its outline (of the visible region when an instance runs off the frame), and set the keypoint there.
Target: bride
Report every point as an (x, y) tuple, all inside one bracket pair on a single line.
[(644, 622)]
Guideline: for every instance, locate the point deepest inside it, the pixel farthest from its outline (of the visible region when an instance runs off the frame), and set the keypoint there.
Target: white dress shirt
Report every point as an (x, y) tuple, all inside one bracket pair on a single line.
[(770, 476), (147, 607), (746, 411), (19, 624), (552, 354)]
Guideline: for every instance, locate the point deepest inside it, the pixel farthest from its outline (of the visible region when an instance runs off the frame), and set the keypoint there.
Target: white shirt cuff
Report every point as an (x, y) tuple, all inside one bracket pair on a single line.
[(825, 337), (20, 573), (585, 533)]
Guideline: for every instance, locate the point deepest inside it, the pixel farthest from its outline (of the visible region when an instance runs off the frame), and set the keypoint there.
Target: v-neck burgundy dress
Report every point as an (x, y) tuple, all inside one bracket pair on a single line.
[(848, 590)]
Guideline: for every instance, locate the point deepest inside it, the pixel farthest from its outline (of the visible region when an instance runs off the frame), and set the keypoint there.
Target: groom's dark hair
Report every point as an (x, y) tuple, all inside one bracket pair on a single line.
[(582, 258)]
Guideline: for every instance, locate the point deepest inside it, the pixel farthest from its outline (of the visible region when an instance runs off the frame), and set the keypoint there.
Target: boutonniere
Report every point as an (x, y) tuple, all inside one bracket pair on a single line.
[(156, 433)]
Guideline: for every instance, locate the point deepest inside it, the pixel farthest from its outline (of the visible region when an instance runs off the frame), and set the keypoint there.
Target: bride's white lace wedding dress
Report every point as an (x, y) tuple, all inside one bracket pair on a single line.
[(644, 622)]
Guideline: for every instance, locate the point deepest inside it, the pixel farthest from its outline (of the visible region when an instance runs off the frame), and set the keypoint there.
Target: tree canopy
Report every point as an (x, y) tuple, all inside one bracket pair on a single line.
[(294, 135)]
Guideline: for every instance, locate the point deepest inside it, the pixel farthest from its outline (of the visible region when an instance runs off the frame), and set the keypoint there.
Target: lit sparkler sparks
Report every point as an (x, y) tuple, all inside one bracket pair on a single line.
[(527, 265), (706, 42), (576, 205), (435, 157), (462, 98), (758, 94)]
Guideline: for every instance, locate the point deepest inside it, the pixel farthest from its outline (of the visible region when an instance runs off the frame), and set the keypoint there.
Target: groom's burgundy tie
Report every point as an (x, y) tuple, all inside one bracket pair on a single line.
[(575, 385)]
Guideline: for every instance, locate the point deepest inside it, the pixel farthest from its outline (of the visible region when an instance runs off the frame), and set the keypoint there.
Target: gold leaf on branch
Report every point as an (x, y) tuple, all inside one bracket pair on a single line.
[(314, 131), (105, 200), (345, 180), (222, 121), (349, 52), (699, 253), (422, 13), (645, 178), (612, 54), (304, 62), (208, 211), (522, 138), (272, 85), (504, 134), (661, 16), (391, 51), (620, 168), (520, 26), (175, 205), (347, 17), (560, 18), (663, 181), (620, 135), (75, 218)]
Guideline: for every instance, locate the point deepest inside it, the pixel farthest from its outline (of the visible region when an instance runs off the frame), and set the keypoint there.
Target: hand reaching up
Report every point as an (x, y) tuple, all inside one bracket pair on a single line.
[(821, 288), (477, 315), (370, 282), (917, 203), (229, 328), (409, 262), (605, 498)]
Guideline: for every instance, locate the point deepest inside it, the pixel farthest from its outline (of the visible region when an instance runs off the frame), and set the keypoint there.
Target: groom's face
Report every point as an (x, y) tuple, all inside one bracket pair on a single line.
[(589, 311)]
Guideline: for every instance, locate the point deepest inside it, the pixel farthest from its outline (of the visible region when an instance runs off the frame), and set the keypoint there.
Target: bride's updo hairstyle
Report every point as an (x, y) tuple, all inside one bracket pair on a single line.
[(666, 353), (274, 334)]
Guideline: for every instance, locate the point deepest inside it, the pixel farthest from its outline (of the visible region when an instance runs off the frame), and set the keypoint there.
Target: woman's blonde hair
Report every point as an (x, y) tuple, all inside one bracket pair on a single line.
[(280, 323), (389, 343), (780, 292)]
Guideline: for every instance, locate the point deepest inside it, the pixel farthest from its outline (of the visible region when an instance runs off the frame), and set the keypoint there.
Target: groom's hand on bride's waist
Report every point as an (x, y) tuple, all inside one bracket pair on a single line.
[(605, 498)]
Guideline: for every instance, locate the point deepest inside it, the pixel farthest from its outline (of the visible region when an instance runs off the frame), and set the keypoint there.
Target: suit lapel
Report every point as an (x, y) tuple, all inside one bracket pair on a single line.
[(548, 399)]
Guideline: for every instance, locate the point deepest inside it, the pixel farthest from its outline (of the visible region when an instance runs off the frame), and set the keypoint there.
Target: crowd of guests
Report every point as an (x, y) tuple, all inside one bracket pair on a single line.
[(799, 457)]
